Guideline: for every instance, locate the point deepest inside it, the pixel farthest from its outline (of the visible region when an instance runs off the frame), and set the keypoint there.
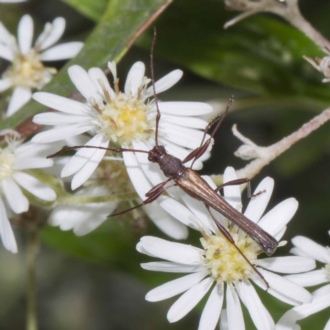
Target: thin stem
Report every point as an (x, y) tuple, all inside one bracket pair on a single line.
[(32, 249)]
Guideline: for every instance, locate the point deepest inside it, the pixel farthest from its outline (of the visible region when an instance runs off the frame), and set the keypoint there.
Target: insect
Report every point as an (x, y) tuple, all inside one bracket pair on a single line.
[(191, 182)]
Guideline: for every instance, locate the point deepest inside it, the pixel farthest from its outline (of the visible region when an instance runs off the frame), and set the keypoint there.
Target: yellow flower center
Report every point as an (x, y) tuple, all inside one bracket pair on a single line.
[(7, 159), (28, 71), (223, 260)]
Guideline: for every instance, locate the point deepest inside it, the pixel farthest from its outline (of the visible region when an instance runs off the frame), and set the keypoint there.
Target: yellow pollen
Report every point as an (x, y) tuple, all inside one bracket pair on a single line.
[(7, 160), (28, 71), (124, 119), (224, 262)]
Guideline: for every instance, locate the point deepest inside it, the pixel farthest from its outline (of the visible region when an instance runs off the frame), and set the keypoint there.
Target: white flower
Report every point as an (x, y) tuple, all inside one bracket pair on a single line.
[(27, 71), (126, 119), (321, 297), (15, 159), (219, 264)]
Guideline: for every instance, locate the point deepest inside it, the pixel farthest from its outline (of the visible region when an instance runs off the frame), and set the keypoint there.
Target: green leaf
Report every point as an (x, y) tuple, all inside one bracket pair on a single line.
[(93, 9), (259, 55), (110, 40)]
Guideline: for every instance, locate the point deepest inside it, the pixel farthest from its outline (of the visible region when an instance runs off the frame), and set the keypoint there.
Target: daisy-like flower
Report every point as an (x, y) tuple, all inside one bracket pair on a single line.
[(304, 246), (218, 263), (27, 71), (125, 119), (15, 160)]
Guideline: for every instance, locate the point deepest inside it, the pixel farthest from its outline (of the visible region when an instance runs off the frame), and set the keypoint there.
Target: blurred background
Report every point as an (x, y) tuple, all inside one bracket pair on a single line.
[(95, 282)]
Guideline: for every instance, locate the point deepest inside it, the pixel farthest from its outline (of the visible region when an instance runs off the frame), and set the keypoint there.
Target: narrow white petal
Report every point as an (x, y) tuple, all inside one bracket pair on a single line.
[(287, 264), (83, 83), (32, 162), (55, 118), (139, 180), (191, 122), (212, 309), (5, 83), (164, 83), (87, 170), (258, 204), (167, 224), (224, 320), (189, 300), (14, 196), (315, 277), (61, 103), (34, 186), (6, 53), (82, 156), (6, 232), (327, 326), (25, 34), (50, 36), (61, 133), (182, 136), (175, 252), (101, 81), (20, 96), (178, 211), (184, 109), (259, 314), (232, 194), (5, 36), (171, 267), (286, 288), (62, 51), (235, 317), (134, 78), (175, 287), (279, 216), (312, 249)]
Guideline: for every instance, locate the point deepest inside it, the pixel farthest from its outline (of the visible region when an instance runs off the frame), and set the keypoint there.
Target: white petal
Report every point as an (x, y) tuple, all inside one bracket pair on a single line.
[(164, 83), (167, 224), (61, 103), (5, 37), (178, 211), (34, 186), (134, 79), (61, 133), (171, 267), (259, 314), (282, 286), (87, 170), (279, 216), (191, 122), (287, 264), (312, 249), (82, 156), (25, 34), (175, 252), (258, 204), (232, 194), (51, 34), (62, 51), (20, 96), (5, 84), (175, 287), (14, 196), (184, 109), (315, 277), (6, 53), (100, 81), (32, 162), (55, 118), (327, 326), (235, 317), (6, 232), (83, 83), (189, 300), (212, 309)]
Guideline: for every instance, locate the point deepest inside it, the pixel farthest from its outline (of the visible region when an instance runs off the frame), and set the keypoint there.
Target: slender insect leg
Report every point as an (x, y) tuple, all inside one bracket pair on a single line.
[(225, 233), (239, 182), (198, 152)]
